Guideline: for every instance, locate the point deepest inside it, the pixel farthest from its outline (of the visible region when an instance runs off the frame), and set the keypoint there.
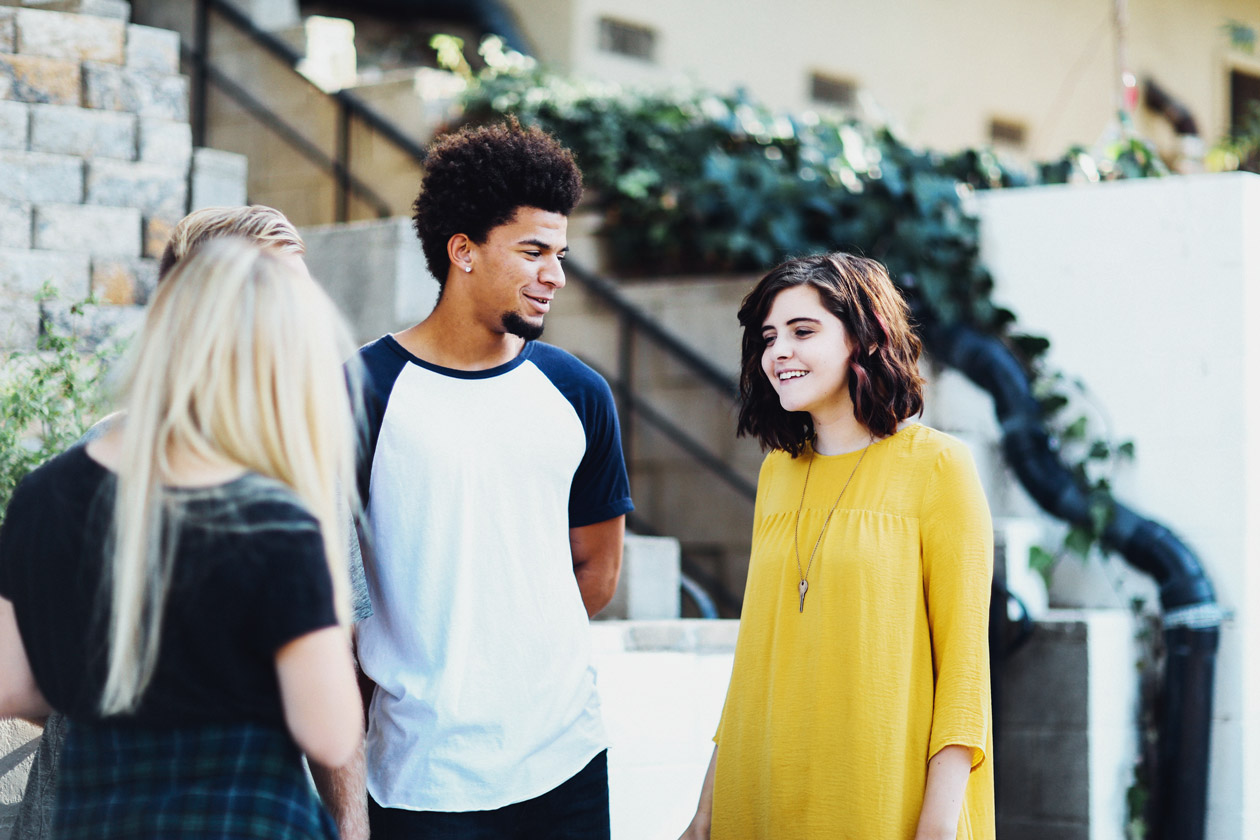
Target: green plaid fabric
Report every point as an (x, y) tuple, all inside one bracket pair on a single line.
[(223, 782)]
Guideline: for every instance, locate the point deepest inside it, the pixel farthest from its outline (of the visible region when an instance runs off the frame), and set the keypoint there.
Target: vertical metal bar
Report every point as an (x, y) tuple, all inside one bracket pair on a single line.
[(342, 173), (200, 58), (625, 385)]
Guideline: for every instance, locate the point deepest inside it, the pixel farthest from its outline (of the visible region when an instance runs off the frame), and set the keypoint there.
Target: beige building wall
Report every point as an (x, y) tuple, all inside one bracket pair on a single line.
[(940, 71)]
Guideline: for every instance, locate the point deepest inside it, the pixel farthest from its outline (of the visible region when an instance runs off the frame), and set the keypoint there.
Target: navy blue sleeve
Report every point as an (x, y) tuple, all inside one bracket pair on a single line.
[(381, 366), (601, 487)]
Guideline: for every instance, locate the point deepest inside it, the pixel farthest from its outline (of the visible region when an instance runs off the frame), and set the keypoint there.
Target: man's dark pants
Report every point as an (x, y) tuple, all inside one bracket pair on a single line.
[(576, 810)]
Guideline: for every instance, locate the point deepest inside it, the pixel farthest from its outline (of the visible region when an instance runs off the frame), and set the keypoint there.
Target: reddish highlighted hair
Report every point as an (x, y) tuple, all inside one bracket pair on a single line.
[(884, 380)]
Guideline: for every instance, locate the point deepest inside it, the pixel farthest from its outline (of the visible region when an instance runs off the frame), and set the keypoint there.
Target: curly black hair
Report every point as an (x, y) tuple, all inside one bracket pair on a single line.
[(477, 178)]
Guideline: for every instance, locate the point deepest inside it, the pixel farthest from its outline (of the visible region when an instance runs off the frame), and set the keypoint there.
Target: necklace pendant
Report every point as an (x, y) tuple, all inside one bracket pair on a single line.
[(803, 586)]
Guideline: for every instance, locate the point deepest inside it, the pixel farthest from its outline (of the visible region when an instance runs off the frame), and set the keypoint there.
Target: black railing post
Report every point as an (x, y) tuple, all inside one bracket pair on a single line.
[(200, 58), (342, 210), (625, 383)]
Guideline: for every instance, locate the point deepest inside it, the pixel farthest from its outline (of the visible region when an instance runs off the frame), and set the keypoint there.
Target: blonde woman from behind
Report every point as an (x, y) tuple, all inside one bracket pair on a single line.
[(176, 587)]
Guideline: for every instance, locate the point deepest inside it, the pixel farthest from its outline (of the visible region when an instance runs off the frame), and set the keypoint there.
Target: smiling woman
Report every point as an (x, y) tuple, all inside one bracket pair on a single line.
[(859, 698)]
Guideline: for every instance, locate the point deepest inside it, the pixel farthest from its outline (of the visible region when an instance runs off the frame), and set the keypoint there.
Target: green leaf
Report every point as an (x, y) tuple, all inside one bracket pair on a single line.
[(1076, 429), (1100, 510), (1078, 541), (1042, 562)]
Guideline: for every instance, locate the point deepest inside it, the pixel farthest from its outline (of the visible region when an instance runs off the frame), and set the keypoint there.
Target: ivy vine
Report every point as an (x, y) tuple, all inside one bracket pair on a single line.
[(48, 396)]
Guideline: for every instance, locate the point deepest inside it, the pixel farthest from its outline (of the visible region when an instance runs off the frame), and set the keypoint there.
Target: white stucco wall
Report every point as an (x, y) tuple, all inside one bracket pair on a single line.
[(1150, 291)]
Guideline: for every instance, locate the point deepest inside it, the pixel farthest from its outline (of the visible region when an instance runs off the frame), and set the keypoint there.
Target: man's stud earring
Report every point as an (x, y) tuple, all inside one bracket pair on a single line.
[(468, 269)]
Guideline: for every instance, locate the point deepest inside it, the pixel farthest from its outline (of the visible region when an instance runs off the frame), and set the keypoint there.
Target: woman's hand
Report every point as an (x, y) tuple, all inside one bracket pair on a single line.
[(947, 776), (700, 823)]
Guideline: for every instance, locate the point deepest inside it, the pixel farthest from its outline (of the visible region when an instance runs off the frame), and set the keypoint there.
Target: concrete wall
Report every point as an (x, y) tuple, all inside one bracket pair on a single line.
[(940, 71)]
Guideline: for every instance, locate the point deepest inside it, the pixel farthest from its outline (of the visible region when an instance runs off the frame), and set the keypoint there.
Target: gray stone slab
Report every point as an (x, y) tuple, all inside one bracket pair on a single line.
[(24, 272), (14, 125), (123, 281), (218, 179), (99, 231), (70, 37), (154, 189), (165, 142), (36, 177), (83, 132), (149, 48), (33, 78), (1056, 655), (15, 225), (1045, 773), (142, 92)]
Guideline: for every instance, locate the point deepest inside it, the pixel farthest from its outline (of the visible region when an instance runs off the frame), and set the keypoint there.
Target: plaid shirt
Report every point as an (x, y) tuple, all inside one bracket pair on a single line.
[(224, 782)]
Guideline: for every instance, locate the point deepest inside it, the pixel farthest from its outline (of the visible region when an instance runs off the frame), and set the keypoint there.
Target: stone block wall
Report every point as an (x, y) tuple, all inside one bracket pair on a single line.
[(96, 160), (78, 91)]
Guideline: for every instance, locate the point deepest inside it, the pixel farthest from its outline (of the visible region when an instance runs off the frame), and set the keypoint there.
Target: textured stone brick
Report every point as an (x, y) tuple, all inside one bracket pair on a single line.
[(96, 326), (15, 225), (33, 78), (35, 177), (157, 232), (140, 92), (70, 37), (84, 132), (113, 9), (24, 272), (123, 281), (14, 124), (165, 142), (154, 189), (99, 231), (149, 48), (7, 40), (218, 179)]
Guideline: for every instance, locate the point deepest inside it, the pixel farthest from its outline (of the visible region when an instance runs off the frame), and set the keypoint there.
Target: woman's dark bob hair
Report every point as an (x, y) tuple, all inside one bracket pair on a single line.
[(884, 381)]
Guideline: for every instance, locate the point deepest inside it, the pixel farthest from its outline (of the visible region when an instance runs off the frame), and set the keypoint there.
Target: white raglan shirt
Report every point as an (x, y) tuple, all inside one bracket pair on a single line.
[(479, 641)]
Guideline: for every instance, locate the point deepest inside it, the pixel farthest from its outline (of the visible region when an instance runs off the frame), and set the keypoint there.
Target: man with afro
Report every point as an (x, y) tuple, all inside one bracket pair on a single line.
[(496, 492)]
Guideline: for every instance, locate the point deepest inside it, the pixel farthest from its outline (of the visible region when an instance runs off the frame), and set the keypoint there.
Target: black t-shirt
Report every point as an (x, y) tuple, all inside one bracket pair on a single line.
[(249, 575)]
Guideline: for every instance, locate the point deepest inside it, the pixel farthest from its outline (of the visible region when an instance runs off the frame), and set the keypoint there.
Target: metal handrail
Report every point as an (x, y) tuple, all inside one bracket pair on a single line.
[(295, 139), (608, 292), (349, 106), (696, 450), (352, 103)]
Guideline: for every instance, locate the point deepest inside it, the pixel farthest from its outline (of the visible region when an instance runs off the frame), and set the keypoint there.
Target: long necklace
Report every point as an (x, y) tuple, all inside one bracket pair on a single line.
[(803, 586)]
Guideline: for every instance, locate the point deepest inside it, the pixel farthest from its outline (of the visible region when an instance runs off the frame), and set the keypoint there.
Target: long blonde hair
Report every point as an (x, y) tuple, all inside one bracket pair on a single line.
[(240, 358)]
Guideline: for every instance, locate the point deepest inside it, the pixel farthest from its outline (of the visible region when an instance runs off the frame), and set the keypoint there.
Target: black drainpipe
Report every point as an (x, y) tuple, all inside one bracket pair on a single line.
[(1191, 617)]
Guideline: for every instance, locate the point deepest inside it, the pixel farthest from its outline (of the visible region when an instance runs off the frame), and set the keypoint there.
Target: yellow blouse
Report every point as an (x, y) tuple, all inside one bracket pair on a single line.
[(833, 713)]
